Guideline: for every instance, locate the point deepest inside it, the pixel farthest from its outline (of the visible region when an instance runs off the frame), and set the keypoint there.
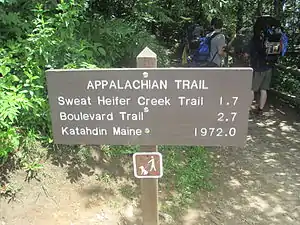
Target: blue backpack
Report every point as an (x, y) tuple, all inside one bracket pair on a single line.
[(284, 43), (201, 55)]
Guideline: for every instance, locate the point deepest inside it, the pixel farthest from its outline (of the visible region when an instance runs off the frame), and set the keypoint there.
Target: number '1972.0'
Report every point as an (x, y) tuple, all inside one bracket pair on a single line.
[(218, 132)]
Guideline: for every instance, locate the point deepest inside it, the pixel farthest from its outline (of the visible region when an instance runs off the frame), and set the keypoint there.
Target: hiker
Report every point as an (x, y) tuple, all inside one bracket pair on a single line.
[(217, 45), (239, 46), (209, 50), (267, 44), (262, 73)]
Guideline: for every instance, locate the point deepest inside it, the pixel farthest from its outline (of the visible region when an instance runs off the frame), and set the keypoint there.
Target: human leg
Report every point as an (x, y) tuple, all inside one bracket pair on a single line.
[(252, 97), (256, 83), (263, 99), (265, 86)]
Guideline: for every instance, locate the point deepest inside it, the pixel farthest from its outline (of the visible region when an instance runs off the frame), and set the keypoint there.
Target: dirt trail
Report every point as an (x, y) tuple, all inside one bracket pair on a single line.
[(258, 184)]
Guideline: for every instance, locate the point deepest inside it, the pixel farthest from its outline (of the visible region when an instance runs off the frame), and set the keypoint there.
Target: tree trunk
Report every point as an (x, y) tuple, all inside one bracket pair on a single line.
[(259, 8), (239, 16), (278, 8)]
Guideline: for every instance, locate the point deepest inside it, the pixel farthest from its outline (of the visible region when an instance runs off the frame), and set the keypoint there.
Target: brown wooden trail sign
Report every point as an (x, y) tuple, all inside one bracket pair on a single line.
[(150, 106), (163, 106)]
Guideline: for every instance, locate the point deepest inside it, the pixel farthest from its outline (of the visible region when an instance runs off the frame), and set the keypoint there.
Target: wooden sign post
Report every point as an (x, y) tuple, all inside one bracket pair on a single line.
[(149, 187)]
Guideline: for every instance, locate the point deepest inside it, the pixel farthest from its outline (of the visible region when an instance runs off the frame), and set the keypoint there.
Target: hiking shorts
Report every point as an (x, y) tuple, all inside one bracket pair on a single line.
[(261, 80)]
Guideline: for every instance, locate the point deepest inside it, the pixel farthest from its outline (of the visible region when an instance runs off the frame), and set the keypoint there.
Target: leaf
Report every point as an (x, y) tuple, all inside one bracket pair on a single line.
[(101, 51), (15, 78), (186, 18), (4, 70)]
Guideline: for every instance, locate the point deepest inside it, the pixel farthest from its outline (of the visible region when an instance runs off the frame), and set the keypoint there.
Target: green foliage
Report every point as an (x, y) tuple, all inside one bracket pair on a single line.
[(287, 81), (118, 42), (118, 150), (9, 192), (186, 171), (54, 35)]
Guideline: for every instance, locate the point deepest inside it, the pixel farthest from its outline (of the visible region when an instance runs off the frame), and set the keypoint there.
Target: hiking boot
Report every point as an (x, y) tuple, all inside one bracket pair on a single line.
[(258, 112), (251, 112)]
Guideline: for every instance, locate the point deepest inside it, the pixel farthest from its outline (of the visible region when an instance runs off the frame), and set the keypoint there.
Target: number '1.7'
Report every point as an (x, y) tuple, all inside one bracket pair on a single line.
[(233, 101)]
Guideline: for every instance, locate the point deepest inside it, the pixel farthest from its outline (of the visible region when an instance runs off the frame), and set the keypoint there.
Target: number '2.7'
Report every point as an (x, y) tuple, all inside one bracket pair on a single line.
[(232, 101)]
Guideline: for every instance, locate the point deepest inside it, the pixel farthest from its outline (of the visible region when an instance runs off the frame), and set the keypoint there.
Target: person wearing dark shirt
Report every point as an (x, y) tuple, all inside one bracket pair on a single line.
[(262, 72)]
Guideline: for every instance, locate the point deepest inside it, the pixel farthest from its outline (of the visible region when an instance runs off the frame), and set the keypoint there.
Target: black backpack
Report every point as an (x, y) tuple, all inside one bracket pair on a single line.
[(272, 41)]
